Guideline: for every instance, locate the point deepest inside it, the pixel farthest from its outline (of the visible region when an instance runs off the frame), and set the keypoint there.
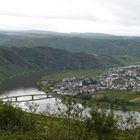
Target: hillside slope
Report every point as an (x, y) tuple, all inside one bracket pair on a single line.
[(15, 60)]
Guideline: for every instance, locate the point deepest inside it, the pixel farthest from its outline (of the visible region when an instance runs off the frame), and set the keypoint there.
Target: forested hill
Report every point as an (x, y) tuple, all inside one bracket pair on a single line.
[(75, 42), (49, 58), (19, 60)]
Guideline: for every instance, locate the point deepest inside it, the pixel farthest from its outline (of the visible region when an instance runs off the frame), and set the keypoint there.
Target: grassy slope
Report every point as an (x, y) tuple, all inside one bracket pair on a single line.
[(118, 94), (101, 126), (128, 60), (78, 73), (118, 98)]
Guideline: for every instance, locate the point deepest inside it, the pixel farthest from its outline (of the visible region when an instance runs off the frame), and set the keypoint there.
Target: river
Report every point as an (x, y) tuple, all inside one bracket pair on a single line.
[(45, 104)]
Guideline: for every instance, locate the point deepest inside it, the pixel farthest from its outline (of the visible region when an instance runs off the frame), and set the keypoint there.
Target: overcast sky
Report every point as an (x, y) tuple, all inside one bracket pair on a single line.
[(103, 16)]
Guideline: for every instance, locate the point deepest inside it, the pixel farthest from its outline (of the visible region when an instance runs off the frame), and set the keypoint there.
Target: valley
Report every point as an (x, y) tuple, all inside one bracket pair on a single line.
[(80, 77), (69, 70), (20, 59)]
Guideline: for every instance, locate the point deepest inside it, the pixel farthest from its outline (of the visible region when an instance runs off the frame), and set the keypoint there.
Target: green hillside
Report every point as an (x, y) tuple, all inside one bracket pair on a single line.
[(15, 61)]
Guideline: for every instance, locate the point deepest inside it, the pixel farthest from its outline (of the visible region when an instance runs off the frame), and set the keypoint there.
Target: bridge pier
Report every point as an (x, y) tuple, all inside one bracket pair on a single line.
[(16, 98), (32, 97), (47, 95)]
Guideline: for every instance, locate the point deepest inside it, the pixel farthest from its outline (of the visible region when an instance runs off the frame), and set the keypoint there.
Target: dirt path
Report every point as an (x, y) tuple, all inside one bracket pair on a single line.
[(135, 99)]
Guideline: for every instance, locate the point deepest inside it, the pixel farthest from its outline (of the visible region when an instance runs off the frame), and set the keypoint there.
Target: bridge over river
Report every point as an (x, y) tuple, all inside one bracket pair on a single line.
[(26, 98), (20, 96)]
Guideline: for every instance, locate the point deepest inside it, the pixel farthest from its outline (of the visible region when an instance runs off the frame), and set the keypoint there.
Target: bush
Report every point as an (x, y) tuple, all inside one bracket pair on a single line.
[(13, 118)]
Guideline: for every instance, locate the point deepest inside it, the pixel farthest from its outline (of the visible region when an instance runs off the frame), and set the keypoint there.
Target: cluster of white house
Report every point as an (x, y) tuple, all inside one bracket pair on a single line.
[(72, 86), (121, 78)]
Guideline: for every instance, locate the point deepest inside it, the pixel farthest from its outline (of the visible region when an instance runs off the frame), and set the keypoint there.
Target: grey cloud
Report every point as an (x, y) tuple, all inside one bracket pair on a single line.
[(126, 11), (88, 17)]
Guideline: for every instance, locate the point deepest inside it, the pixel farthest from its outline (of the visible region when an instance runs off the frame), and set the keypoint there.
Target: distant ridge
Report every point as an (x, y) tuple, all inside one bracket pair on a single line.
[(71, 34), (82, 34), (74, 42)]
